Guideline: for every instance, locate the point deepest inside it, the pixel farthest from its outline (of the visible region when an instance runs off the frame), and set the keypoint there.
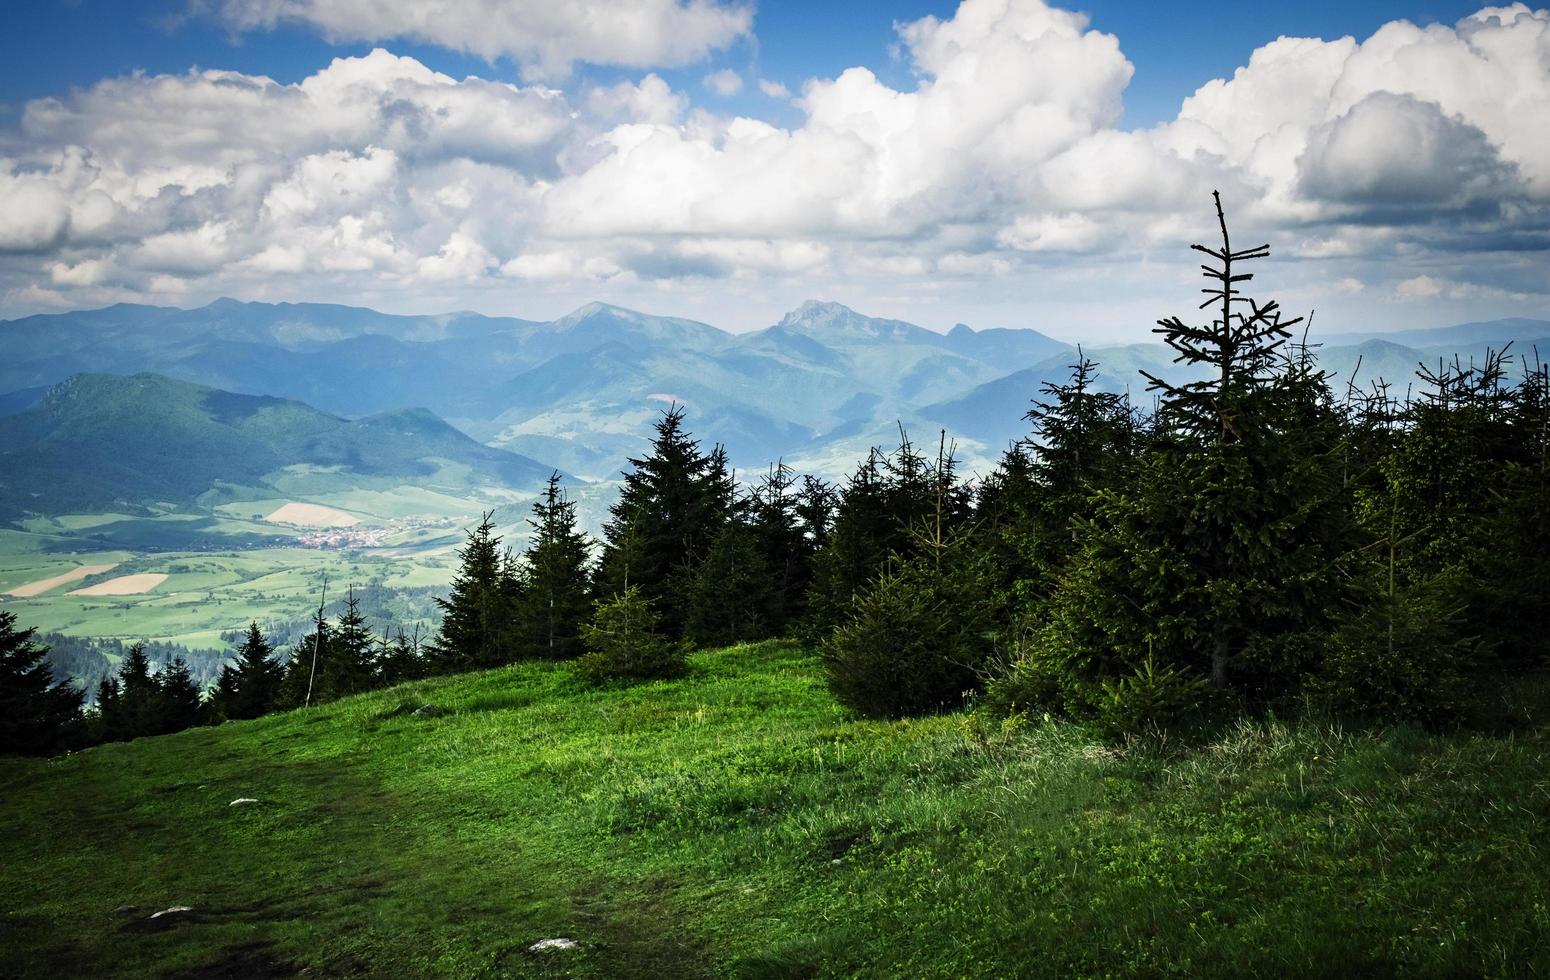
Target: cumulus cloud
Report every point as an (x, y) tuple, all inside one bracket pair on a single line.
[(725, 83), (774, 90), (1397, 151), (1005, 153), (547, 38)]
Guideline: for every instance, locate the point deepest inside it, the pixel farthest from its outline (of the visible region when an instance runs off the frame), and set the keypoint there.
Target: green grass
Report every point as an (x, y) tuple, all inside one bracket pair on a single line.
[(737, 823)]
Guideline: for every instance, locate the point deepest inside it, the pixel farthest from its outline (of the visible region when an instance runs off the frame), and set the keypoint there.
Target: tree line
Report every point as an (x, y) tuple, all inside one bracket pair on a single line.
[(1262, 539)]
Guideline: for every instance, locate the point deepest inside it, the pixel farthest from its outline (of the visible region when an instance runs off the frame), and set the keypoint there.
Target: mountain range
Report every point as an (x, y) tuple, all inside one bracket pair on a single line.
[(107, 443), (577, 393)]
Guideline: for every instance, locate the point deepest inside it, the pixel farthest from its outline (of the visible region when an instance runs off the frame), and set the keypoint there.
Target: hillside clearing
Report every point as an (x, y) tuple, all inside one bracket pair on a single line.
[(44, 585), (312, 515), (125, 585), (736, 823)]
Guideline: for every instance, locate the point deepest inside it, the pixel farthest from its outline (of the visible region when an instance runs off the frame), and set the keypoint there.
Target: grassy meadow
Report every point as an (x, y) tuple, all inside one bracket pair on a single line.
[(738, 823)]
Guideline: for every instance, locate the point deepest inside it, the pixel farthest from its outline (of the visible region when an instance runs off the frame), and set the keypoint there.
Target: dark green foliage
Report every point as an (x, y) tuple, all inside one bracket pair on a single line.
[(134, 710), (892, 503), (674, 501), (399, 659), (250, 687), (351, 668), (139, 703), (555, 597), (1084, 441), (298, 688), (1218, 552), (732, 597), (914, 643), (178, 704), (624, 641), (1405, 656), (478, 609), (37, 716), (789, 524), (1150, 700)]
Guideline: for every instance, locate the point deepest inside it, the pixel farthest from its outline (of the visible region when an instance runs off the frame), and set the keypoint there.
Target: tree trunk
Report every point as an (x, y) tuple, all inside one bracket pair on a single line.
[(1219, 662)]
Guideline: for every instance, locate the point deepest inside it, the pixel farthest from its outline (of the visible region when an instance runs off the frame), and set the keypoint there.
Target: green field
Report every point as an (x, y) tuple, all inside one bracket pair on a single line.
[(206, 593), (737, 823)]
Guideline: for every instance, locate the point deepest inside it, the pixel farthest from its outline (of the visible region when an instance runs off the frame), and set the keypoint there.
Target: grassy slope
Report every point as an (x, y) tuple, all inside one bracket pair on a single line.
[(736, 823)]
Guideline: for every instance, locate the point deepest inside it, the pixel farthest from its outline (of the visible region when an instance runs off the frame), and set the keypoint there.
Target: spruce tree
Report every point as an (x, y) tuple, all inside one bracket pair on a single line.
[(624, 642), (1218, 557), (399, 659), (731, 596), (222, 702), (556, 591), (351, 668), (299, 685), (256, 677), (138, 708), (178, 704), (476, 613), (785, 545), (37, 716), (107, 720), (674, 500)]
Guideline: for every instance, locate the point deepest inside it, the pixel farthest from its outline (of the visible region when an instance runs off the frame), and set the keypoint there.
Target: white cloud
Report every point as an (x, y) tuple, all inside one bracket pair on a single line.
[(37, 212), (1419, 287), (725, 83), (1421, 148), (544, 36), (774, 90), (650, 101), (460, 258), (1397, 151)]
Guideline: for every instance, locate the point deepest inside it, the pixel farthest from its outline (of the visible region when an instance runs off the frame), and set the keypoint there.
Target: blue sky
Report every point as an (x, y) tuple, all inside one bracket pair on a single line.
[(999, 161), (52, 45)]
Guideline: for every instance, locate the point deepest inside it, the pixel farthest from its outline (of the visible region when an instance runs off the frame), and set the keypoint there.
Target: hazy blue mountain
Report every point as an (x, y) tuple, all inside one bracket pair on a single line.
[(580, 391), (103, 442), (1478, 334)]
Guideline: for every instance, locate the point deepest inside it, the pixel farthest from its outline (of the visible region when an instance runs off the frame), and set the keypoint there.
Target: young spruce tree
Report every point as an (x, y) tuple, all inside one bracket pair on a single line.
[(556, 591)]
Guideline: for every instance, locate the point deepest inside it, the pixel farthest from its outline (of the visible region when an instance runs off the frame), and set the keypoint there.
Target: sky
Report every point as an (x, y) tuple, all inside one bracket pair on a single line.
[(994, 162)]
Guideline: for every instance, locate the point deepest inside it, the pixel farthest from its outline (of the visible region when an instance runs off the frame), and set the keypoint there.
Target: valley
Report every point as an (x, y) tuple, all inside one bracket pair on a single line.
[(247, 450)]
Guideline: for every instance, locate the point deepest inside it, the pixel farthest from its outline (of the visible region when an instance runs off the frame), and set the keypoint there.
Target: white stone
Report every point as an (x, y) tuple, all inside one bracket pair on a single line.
[(175, 910), (243, 801), (545, 944)]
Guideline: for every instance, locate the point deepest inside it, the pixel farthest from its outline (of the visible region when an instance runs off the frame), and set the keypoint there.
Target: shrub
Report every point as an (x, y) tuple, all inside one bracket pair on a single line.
[(1152, 699), (1403, 657), (907, 648), (622, 642)]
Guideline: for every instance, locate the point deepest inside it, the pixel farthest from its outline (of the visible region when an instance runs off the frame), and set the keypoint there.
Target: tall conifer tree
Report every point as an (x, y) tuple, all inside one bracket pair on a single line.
[(476, 614), (556, 594), (673, 502), (36, 715)]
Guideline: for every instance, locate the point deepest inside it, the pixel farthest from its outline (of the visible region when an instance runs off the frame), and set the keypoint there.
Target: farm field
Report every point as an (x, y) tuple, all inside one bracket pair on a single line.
[(186, 578), (204, 593), (737, 823)]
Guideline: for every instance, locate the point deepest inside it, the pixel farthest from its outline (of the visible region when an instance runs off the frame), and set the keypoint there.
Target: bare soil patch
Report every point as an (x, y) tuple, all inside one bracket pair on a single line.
[(125, 585), (312, 515), (42, 585)]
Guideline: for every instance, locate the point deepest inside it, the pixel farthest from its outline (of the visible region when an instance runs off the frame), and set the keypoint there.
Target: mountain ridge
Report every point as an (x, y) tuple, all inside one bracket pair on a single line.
[(580, 390)]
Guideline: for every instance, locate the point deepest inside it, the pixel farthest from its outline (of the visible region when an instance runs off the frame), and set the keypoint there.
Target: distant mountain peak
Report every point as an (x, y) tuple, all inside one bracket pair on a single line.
[(960, 330), (814, 310), (594, 308)]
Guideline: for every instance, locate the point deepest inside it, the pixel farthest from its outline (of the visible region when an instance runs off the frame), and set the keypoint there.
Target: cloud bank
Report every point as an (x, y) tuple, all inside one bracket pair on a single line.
[(1418, 155)]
